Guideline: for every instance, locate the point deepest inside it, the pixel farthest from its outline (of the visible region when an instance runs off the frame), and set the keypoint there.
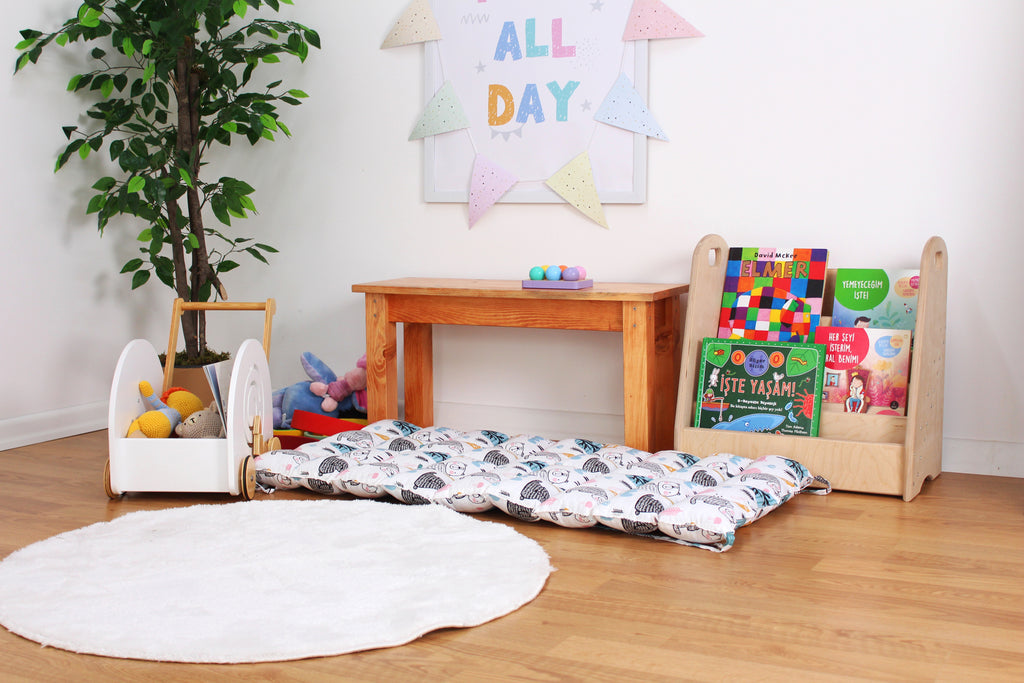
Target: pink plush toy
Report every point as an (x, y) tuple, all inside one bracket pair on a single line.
[(335, 392)]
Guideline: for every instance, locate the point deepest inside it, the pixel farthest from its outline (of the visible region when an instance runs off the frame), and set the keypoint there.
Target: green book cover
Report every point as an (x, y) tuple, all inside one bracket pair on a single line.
[(760, 386)]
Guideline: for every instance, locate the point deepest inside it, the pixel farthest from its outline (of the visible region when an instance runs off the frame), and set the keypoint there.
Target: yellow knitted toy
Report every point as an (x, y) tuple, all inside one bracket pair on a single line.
[(159, 422)]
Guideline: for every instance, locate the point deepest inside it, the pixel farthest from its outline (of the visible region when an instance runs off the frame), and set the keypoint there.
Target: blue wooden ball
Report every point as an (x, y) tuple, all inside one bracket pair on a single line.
[(553, 273), (536, 273)]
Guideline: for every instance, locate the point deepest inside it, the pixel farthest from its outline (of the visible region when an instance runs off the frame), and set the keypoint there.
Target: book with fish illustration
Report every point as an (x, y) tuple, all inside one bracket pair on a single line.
[(760, 386)]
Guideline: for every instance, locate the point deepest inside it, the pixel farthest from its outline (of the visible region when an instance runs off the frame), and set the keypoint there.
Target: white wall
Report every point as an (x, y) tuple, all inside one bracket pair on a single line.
[(864, 126)]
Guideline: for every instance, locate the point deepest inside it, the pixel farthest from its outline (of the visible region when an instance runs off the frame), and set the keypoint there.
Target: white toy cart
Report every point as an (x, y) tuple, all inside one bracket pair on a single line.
[(191, 465)]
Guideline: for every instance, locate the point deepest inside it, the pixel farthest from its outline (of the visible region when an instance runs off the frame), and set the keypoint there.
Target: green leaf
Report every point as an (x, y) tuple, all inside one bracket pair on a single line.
[(96, 202), (145, 236), (257, 255), (89, 16), (297, 93), (225, 266), (147, 47), (116, 147), (68, 130), (127, 46), (193, 241), (104, 184), (240, 7), (231, 127), (269, 121), (61, 39), (84, 151), (161, 92), (266, 247), (140, 278), (136, 184), (185, 177), (22, 61), (132, 265), (220, 209), (25, 44), (270, 59), (107, 88), (147, 74)]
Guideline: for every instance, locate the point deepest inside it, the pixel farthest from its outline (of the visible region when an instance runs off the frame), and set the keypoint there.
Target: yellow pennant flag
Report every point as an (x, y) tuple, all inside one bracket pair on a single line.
[(574, 182)]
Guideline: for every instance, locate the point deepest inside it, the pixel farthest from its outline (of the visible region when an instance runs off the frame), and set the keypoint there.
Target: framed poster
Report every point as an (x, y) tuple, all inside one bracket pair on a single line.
[(530, 76)]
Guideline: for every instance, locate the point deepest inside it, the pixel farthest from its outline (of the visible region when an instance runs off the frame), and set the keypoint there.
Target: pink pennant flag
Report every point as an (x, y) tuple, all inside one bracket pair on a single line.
[(489, 183), (651, 19)]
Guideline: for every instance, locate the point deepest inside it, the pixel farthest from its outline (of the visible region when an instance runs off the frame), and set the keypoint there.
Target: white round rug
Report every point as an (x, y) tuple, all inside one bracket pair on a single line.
[(266, 580)]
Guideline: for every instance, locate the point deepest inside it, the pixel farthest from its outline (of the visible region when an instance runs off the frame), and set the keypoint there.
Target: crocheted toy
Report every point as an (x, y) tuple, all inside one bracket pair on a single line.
[(164, 414), (324, 394), (202, 424)]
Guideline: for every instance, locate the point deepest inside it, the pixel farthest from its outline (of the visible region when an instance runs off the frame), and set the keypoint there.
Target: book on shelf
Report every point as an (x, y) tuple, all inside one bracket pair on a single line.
[(875, 297), (772, 294), (760, 386), (867, 370)]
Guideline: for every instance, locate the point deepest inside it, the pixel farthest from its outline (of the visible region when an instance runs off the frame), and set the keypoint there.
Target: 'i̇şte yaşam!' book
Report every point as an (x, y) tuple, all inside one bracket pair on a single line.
[(772, 294), (867, 370), (876, 297), (760, 386)]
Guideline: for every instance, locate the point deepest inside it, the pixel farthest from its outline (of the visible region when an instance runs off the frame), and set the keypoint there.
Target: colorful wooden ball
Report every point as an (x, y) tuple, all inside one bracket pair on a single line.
[(582, 271), (536, 273), (553, 273), (571, 274)]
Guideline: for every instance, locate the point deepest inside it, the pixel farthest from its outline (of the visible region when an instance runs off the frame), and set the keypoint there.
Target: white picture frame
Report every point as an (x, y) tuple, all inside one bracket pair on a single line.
[(448, 158)]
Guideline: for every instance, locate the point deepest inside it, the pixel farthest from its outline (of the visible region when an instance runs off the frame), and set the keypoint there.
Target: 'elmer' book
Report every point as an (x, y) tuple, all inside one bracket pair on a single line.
[(760, 386), (875, 297), (772, 294), (866, 370)]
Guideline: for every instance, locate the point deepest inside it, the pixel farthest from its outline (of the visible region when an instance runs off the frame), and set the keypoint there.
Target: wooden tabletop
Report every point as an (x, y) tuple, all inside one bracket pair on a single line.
[(513, 289)]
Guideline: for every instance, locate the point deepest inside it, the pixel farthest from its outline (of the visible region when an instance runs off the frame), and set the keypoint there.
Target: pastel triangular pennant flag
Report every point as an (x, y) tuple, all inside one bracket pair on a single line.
[(442, 114), (488, 184), (416, 25), (624, 108), (574, 182), (651, 19)]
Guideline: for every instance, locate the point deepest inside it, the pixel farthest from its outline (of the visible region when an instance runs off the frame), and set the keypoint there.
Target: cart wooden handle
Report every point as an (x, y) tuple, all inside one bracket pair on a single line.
[(180, 305)]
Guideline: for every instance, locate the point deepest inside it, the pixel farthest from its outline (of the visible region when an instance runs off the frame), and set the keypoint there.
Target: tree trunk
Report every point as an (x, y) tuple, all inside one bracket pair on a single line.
[(192, 330)]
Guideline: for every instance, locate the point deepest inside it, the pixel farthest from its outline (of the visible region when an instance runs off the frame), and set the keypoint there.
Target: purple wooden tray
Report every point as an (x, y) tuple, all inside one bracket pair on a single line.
[(557, 284)]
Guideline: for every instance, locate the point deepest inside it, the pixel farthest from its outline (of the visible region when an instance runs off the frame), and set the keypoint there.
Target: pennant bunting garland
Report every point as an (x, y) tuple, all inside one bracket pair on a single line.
[(574, 182), (488, 184), (416, 25), (557, 114), (624, 108), (442, 114), (651, 19)]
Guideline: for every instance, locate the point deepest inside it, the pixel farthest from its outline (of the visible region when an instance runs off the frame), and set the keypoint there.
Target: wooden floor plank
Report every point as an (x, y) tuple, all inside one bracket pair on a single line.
[(836, 588)]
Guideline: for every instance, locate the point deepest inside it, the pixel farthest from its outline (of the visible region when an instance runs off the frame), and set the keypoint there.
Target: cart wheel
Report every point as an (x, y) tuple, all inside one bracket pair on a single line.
[(106, 482), (247, 478)]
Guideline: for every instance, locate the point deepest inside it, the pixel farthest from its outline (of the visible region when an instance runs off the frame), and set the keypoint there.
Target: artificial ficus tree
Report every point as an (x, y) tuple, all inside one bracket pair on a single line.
[(166, 81)]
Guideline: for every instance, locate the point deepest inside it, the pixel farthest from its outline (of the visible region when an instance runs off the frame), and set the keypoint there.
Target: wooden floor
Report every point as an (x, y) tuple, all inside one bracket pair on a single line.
[(841, 587)]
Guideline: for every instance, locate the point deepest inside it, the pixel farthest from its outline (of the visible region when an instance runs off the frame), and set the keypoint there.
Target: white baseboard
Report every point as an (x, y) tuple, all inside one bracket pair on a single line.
[(970, 456), (54, 424)]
